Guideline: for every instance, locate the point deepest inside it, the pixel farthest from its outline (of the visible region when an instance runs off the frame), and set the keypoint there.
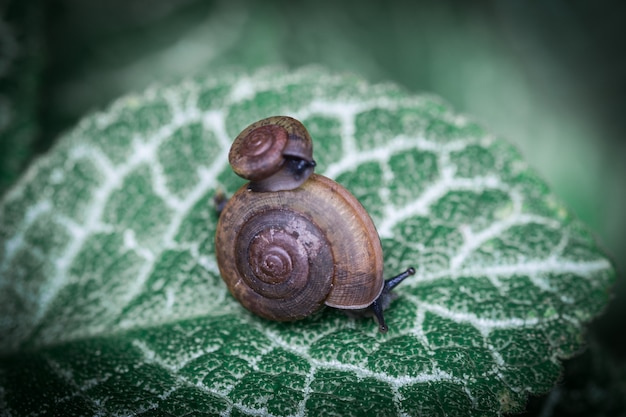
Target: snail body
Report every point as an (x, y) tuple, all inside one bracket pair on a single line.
[(291, 242)]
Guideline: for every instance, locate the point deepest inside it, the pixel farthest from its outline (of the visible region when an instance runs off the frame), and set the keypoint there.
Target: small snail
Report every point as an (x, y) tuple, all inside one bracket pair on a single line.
[(291, 241)]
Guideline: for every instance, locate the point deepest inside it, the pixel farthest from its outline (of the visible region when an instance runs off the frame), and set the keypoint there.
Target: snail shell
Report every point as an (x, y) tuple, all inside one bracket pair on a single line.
[(274, 154), (289, 253)]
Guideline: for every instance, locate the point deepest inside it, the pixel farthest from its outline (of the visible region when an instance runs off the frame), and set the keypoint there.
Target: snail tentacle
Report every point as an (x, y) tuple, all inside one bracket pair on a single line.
[(386, 297)]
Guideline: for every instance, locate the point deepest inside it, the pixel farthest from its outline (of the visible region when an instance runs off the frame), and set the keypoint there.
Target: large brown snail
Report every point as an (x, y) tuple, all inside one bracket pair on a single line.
[(291, 241)]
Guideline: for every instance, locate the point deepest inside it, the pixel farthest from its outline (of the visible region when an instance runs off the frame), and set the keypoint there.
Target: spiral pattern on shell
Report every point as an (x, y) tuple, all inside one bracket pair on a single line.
[(275, 154), (257, 152), (284, 255), (277, 252)]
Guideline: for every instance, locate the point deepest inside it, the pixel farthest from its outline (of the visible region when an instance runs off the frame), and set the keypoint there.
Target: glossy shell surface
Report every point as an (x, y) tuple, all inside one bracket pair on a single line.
[(266, 243), (260, 149)]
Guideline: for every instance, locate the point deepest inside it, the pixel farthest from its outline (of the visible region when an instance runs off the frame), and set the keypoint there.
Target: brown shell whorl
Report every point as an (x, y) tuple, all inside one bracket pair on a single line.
[(274, 154), (284, 255), (258, 153), (275, 254)]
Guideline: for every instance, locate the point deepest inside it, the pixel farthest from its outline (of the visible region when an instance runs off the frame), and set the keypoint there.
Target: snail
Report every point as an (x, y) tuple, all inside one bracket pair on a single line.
[(290, 241)]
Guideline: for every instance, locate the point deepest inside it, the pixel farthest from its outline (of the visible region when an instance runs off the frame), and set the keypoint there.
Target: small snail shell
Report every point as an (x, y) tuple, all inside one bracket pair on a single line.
[(286, 252), (274, 154)]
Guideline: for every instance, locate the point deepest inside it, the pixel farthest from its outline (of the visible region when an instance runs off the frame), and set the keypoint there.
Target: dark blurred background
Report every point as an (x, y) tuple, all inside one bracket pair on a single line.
[(548, 76)]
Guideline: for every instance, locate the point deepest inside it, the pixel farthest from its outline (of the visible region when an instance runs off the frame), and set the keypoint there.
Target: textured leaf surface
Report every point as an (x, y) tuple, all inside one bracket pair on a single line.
[(111, 302)]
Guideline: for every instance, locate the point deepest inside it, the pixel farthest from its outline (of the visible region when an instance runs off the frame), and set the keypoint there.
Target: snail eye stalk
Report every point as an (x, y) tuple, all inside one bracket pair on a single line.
[(385, 297)]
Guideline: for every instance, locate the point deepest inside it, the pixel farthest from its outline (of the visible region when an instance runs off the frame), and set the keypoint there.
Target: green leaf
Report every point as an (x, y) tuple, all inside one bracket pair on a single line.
[(111, 301)]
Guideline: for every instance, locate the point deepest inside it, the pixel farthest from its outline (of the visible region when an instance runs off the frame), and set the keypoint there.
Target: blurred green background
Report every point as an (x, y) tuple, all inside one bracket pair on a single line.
[(548, 76)]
